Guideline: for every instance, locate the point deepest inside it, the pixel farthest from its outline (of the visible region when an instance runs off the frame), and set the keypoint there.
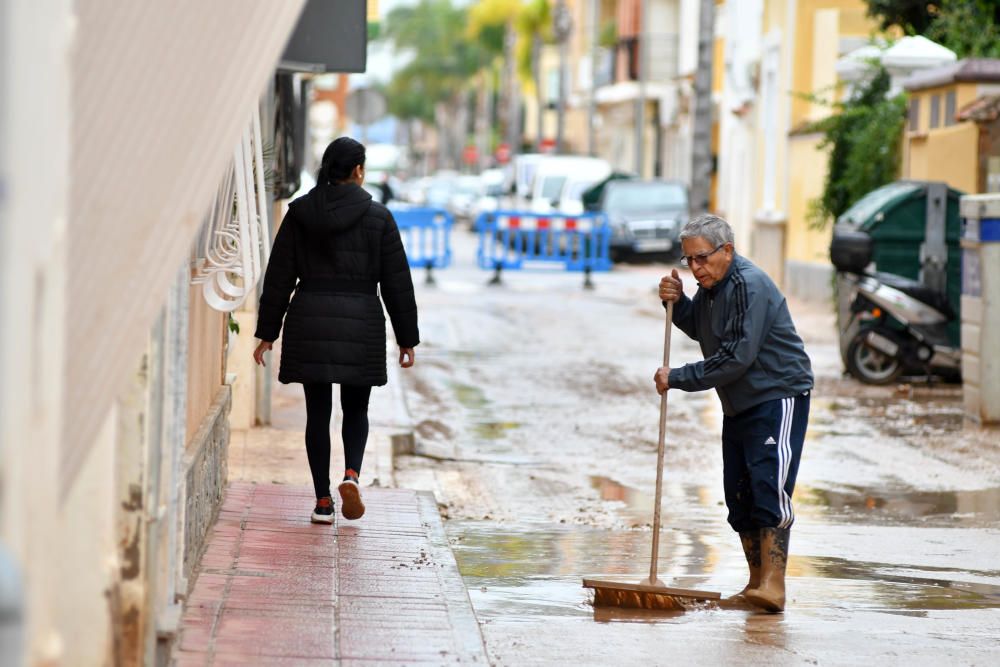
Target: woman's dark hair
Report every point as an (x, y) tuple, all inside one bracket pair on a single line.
[(339, 160)]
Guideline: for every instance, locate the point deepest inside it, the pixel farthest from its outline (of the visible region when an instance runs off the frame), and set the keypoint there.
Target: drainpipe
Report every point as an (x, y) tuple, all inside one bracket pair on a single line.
[(154, 458), (175, 441)]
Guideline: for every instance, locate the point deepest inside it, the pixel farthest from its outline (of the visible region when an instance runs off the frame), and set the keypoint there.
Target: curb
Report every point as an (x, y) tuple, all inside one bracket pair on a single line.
[(461, 615)]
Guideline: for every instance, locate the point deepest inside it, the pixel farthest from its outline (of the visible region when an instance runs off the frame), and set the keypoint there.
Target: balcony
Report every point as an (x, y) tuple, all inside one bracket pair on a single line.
[(661, 58)]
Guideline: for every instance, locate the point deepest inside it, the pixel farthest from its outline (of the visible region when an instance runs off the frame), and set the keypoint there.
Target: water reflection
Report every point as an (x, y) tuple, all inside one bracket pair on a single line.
[(766, 630), (615, 615), (901, 506), (524, 571)]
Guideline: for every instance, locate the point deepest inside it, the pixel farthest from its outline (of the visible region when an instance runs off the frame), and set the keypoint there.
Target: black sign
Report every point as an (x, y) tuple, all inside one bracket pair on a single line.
[(331, 36)]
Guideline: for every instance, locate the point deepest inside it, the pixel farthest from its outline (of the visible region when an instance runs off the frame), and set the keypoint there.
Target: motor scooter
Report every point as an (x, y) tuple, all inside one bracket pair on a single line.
[(896, 326)]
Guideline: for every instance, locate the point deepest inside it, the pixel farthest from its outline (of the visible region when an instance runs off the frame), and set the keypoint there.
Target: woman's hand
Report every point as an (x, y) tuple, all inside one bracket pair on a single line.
[(671, 287), (406, 357), (662, 379), (258, 354)]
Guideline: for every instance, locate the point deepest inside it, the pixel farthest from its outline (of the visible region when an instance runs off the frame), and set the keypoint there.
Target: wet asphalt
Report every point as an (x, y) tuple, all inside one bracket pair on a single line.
[(536, 422)]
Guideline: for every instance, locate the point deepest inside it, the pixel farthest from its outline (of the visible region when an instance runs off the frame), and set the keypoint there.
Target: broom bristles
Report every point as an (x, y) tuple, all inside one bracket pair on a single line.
[(613, 597)]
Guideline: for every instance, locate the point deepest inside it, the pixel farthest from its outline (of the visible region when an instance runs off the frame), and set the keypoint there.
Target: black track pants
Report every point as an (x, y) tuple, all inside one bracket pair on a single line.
[(761, 448), (354, 429)]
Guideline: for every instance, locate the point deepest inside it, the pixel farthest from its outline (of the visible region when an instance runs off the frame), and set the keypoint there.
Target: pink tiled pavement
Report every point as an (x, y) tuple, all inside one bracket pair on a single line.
[(275, 589)]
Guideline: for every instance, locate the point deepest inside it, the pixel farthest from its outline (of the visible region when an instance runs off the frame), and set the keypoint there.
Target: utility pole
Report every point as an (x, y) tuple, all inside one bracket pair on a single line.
[(595, 29), (701, 148), (562, 26), (640, 100)]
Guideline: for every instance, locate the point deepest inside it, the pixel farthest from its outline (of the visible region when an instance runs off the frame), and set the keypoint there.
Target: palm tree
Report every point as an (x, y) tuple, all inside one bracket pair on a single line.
[(534, 25), (501, 15), (435, 84)]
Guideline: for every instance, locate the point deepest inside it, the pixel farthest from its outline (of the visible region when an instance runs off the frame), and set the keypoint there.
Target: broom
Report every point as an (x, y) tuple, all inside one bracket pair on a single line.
[(650, 593)]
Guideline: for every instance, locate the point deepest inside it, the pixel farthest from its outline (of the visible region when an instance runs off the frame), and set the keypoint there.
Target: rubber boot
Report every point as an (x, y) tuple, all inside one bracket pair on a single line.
[(751, 549), (770, 595)]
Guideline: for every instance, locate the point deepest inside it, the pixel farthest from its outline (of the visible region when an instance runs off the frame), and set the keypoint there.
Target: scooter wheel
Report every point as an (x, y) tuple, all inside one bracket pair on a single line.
[(871, 366)]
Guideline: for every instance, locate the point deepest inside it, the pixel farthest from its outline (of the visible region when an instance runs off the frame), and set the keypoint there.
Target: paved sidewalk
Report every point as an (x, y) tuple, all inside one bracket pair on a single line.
[(274, 589)]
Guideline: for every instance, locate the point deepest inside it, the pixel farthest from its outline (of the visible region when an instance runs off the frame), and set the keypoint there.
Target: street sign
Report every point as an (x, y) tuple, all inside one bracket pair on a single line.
[(365, 106), (503, 153), (470, 155)]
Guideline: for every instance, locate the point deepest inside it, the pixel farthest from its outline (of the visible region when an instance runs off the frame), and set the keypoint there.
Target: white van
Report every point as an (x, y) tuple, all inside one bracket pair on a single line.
[(522, 173), (558, 176)]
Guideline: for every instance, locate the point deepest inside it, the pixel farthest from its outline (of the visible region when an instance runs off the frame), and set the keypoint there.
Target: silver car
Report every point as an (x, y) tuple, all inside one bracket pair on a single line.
[(645, 217)]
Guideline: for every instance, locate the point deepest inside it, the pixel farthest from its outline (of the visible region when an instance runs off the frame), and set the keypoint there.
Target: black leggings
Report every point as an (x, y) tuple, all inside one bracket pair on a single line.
[(319, 406)]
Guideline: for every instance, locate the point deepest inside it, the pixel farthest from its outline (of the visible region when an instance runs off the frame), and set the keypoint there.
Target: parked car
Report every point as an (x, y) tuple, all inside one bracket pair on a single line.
[(645, 216), (554, 172), (521, 175), (465, 191), (491, 193)]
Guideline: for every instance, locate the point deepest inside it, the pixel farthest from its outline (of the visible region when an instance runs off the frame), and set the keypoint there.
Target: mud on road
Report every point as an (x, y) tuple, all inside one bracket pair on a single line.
[(536, 426)]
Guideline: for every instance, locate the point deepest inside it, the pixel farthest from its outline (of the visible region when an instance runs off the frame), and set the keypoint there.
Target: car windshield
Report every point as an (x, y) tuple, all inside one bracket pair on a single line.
[(639, 198), (468, 186), (438, 193), (552, 186)]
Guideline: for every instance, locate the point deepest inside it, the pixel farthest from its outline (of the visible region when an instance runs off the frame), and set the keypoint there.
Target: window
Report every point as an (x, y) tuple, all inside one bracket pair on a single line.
[(935, 111), (949, 108), (914, 114)]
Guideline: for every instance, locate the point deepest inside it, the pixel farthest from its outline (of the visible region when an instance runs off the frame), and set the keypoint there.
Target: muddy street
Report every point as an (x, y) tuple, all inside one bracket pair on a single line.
[(536, 422)]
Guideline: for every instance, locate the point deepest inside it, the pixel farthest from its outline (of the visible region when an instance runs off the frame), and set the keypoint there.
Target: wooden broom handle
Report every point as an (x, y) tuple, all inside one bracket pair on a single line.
[(659, 451)]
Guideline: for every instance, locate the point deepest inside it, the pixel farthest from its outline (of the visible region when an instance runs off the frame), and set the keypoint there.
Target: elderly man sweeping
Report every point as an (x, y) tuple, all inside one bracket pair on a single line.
[(758, 365)]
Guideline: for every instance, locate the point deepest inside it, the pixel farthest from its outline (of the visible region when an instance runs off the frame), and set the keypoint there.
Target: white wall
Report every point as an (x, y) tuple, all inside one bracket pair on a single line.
[(739, 113), (34, 157)]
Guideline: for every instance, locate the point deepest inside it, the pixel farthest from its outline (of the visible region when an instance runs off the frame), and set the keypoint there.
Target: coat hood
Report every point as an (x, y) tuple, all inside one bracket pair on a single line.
[(332, 207)]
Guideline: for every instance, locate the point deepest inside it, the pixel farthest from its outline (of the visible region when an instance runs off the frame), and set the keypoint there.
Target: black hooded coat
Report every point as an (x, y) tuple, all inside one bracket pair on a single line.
[(334, 249)]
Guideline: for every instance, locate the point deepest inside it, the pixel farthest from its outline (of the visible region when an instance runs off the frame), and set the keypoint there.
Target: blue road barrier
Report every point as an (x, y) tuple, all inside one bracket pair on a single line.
[(426, 234), (508, 240)]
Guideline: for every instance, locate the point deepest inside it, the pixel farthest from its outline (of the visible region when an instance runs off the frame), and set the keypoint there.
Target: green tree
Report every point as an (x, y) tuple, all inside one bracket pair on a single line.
[(443, 60), (863, 137), (532, 22), (499, 17), (970, 28), (912, 16)]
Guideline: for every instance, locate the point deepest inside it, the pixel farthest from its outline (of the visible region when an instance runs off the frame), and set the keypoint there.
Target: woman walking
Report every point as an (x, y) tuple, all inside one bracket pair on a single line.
[(333, 250)]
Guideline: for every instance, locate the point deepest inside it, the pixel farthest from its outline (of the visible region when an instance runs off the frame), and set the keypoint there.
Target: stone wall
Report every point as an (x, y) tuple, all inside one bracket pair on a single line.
[(206, 471)]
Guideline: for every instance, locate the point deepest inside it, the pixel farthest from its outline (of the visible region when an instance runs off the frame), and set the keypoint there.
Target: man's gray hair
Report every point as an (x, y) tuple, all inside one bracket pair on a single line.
[(710, 227)]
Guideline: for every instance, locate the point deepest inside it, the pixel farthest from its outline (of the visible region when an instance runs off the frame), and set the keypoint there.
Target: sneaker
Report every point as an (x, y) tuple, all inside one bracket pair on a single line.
[(324, 510), (350, 497)]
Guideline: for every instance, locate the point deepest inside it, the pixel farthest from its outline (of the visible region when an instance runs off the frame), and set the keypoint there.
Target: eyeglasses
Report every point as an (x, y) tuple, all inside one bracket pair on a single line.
[(688, 260)]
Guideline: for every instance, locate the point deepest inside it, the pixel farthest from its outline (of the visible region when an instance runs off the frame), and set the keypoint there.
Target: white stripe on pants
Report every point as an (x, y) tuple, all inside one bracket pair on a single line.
[(784, 461)]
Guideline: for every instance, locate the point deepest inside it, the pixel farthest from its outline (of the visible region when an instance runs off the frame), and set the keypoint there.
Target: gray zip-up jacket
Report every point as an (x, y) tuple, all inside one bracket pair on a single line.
[(752, 352)]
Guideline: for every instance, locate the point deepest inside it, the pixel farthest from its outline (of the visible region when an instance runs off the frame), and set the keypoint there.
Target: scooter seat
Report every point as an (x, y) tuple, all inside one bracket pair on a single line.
[(918, 291)]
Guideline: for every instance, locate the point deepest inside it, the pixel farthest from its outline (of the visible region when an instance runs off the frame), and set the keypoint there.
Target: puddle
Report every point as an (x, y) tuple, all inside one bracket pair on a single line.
[(493, 430), (906, 587), (515, 572), (895, 417), (470, 397), (521, 574), (609, 489), (638, 506), (952, 508)]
